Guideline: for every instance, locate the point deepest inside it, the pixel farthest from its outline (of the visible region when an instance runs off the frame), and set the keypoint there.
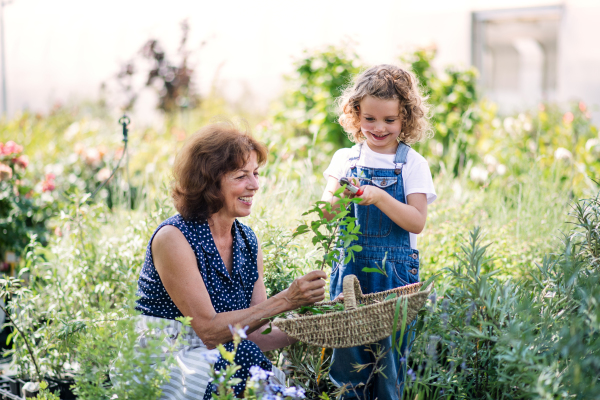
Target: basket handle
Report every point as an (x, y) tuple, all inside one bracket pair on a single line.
[(351, 290)]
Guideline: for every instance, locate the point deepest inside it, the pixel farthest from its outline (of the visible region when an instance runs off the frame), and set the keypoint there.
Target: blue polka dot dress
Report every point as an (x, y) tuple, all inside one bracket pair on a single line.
[(227, 292)]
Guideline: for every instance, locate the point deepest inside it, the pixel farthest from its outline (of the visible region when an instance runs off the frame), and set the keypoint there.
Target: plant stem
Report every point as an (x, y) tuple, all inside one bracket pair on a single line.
[(37, 368)]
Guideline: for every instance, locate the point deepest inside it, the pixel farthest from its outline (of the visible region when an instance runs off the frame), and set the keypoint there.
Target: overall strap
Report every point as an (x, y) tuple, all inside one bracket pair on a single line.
[(353, 158), (400, 158), (401, 153)]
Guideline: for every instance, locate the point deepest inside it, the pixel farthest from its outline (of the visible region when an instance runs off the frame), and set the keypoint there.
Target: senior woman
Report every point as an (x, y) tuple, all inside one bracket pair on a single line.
[(205, 264)]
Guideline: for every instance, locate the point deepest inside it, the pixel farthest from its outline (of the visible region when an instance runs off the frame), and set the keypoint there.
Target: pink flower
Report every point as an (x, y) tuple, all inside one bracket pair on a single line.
[(11, 148), (5, 172), (49, 185), (582, 106), (568, 117), (58, 232), (103, 174), (22, 161)]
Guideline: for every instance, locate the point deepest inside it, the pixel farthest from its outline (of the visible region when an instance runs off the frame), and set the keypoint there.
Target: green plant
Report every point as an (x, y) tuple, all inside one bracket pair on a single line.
[(340, 230), (455, 109), (309, 104)]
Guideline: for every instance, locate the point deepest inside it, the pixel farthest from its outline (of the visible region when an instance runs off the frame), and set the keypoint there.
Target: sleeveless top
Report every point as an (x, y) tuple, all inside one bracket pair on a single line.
[(227, 292)]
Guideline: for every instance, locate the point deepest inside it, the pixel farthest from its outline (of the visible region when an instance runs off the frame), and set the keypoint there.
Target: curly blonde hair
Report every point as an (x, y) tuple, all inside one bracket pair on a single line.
[(386, 82)]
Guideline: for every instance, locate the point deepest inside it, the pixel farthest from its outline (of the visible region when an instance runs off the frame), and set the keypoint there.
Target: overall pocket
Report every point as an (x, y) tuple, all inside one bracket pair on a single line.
[(406, 272), (373, 222)]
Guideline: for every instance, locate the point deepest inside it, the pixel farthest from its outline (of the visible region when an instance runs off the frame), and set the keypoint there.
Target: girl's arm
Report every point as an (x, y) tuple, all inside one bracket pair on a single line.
[(177, 267), (410, 217), (332, 186)]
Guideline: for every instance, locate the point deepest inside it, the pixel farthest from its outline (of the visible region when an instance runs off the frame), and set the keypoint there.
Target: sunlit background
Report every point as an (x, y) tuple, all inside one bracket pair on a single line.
[(526, 51), (514, 152)]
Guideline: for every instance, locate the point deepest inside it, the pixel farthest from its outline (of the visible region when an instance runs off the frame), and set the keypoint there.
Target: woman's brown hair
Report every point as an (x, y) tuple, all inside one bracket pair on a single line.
[(386, 82), (205, 158)]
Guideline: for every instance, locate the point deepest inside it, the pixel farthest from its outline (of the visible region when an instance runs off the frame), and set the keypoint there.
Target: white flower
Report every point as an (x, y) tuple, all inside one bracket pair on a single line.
[(478, 175), (563, 154), (211, 356), (241, 332), (501, 169), (491, 163)]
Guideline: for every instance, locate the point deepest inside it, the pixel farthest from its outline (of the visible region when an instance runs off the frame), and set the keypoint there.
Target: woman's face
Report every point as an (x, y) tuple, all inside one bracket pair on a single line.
[(238, 189), (381, 123)]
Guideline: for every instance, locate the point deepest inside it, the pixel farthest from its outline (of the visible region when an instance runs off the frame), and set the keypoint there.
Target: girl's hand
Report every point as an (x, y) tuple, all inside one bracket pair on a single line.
[(371, 195)]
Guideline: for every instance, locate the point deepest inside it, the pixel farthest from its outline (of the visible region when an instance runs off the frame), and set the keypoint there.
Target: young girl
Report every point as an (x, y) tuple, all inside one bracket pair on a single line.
[(383, 113)]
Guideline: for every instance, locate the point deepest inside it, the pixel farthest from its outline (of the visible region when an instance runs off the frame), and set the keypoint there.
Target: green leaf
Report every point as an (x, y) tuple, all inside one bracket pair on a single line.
[(369, 269), (268, 330), (428, 281), (390, 296)]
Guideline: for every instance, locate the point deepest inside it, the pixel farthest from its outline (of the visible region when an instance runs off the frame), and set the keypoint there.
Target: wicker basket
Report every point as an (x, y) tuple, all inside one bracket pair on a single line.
[(356, 325)]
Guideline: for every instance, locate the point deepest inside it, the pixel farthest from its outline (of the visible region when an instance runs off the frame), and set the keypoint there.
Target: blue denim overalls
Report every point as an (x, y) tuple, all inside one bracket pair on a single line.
[(379, 235)]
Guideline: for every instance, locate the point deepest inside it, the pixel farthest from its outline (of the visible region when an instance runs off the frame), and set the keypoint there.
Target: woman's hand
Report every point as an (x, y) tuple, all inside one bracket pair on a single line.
[(307, 289)]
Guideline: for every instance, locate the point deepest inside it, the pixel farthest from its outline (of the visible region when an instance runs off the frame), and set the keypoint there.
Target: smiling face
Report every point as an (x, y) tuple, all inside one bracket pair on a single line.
[(380, 123), (238, 189)]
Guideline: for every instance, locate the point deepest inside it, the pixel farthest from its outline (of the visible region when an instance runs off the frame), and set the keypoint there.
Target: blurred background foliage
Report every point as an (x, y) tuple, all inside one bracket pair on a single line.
[(515, 176)]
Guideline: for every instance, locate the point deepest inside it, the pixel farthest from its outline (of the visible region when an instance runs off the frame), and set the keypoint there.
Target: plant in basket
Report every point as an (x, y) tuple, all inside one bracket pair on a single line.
[(368, 317)]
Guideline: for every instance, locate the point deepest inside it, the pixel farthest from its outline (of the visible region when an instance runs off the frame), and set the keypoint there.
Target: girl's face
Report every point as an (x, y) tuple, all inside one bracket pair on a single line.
[(238, 189), (381, 123)]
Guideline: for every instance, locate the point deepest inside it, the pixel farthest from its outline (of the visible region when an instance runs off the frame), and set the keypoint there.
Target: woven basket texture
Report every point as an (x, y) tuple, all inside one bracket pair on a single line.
[(357, 325)]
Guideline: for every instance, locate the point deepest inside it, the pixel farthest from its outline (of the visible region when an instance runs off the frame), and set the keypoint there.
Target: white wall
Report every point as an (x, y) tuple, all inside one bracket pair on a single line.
[(65, 48)]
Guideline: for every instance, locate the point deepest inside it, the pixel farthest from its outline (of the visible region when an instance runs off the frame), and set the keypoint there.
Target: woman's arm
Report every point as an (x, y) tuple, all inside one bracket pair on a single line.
[(275, 339), (176, 264)]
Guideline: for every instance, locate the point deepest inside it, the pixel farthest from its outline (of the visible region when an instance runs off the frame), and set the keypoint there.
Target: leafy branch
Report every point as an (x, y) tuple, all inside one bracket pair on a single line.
[(335, 234), (12, 287)]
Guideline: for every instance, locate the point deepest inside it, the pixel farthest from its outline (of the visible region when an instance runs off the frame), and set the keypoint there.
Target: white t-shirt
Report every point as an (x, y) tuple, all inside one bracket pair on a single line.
[(415, 173)]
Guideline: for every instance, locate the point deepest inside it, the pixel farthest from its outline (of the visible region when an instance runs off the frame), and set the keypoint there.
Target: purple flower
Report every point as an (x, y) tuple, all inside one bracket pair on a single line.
[(211, 356), (470, 314), (444, 317), (433, 297), (296, 393), (412, 374), (259, 374)]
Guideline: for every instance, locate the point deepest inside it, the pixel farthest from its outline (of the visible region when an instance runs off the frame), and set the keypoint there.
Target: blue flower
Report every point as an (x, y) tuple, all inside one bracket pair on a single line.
[(412, 374), (211, 356)]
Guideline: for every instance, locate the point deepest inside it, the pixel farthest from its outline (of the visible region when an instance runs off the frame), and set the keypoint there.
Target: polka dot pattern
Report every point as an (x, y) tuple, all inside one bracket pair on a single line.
[(227, 292)]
